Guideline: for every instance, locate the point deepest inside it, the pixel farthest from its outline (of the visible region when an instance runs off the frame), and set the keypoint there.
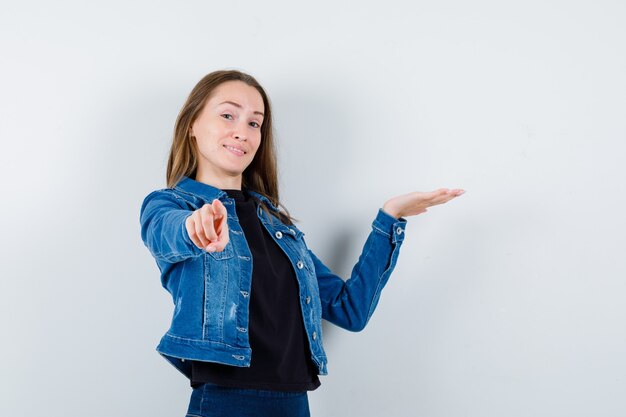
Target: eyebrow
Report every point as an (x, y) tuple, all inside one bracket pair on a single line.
[(239, 105)]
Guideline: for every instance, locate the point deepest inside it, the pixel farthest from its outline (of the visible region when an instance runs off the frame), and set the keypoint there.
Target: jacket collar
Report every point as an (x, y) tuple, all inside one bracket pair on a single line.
[(210, 193)]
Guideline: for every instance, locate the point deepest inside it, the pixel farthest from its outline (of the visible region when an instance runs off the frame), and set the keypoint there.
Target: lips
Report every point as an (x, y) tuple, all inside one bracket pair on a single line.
[(235, 149)]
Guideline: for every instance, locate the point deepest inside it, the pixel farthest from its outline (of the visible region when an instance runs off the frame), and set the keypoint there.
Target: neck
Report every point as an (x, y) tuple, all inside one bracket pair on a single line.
[(223, 182)]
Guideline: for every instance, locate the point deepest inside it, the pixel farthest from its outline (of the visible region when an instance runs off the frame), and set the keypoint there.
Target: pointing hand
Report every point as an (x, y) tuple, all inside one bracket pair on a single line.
[(207, 227)]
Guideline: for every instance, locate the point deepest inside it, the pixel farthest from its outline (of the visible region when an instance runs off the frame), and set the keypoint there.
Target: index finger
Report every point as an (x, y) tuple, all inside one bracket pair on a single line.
[(221, 226), (219, 209)]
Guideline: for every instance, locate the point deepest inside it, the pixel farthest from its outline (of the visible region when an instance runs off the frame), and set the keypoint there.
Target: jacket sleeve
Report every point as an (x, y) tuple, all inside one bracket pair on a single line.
[(349, 304), (163, 230)]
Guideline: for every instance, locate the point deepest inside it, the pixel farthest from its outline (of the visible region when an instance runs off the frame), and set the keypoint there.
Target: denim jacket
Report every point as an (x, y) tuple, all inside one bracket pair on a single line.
[(211, 290)]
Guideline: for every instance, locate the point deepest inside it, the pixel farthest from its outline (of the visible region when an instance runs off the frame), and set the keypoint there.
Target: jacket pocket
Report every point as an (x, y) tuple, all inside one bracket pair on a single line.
[(223, 255)]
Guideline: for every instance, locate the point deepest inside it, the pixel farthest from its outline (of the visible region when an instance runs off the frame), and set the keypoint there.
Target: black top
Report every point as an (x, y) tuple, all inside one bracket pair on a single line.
[(281, 357)]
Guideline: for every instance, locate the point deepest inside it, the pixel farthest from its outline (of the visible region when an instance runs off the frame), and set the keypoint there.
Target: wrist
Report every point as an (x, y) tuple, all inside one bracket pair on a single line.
[(389, 209)]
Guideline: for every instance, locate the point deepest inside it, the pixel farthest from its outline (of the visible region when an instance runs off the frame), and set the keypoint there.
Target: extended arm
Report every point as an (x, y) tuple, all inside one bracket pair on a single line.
[(350, 304), (163, 228)]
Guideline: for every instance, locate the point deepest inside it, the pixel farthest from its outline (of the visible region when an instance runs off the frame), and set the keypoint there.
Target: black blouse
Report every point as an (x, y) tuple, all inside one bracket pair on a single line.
[(281, 357)]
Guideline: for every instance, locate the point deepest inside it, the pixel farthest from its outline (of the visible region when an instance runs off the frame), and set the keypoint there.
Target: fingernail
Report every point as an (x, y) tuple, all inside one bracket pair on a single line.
[(211, 248)]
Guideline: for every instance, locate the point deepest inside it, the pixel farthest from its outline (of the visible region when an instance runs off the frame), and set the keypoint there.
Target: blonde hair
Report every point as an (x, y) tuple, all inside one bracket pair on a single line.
[(260, 176)]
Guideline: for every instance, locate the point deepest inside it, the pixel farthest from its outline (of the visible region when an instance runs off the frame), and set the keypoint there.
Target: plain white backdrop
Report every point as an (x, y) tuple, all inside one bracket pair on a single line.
[(508, 301)]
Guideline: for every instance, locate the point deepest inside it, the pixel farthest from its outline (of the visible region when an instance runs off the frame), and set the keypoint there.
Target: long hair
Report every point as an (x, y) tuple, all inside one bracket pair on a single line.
[(260, 176)]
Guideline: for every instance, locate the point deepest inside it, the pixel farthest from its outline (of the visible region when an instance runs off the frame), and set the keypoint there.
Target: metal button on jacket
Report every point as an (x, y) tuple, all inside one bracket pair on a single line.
[(279, 234), (308, 300), (300, 264)]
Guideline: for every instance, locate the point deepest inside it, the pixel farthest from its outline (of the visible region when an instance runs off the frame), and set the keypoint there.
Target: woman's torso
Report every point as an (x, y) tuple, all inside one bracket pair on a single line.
[(280, 352)]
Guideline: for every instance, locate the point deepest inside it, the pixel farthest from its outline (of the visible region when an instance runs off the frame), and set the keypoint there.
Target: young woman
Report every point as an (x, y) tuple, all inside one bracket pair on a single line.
[(249, 295)]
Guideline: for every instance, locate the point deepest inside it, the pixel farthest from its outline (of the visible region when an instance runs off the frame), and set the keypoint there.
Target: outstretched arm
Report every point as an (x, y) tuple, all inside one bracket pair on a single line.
[(350, 304), (163, 229)]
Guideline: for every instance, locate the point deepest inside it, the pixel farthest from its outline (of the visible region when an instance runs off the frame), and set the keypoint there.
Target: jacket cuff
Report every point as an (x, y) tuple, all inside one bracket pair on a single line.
[(389, 226), (184, 232)]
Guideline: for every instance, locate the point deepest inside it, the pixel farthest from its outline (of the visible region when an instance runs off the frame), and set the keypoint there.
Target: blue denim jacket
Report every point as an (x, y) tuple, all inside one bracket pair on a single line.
[(211, 290)]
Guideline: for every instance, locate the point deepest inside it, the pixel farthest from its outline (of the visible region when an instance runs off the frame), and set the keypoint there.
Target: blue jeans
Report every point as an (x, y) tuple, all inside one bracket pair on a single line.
[(210, 400)]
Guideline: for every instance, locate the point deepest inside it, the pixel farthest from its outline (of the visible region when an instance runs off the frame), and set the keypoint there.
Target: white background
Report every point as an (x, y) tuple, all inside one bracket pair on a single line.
[(508, 301)]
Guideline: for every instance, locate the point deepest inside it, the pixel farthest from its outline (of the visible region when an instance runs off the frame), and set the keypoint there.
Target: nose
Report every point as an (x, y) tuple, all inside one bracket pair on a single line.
[(240, 133)]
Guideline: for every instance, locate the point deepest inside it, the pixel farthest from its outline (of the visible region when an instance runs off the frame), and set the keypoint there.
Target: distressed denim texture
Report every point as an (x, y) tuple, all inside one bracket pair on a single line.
[(211, 290)]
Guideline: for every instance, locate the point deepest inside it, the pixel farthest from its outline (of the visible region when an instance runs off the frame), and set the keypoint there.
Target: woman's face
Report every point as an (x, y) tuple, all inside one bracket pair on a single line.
[(228, 133)]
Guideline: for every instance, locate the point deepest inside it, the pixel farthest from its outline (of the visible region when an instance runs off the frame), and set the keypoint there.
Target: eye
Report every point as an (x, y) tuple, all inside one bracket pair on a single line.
[(257, 125), (226, 114)]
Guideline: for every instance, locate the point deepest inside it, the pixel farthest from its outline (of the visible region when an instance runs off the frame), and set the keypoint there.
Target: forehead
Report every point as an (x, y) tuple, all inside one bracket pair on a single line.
[(238, 92)]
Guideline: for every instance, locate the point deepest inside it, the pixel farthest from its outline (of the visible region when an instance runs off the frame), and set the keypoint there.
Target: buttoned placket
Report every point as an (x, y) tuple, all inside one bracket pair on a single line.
[(299, 265)]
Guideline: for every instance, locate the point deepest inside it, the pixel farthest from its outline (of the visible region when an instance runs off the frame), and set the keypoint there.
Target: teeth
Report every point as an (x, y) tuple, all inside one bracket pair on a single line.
[(235, 149)]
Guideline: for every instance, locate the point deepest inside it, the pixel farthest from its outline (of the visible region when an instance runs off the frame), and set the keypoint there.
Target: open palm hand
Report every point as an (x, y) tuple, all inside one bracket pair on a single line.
[(417, 202)]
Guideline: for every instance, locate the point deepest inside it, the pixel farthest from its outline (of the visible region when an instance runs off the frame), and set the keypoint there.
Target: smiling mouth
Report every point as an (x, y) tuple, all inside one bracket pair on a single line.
[(235, 150)]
